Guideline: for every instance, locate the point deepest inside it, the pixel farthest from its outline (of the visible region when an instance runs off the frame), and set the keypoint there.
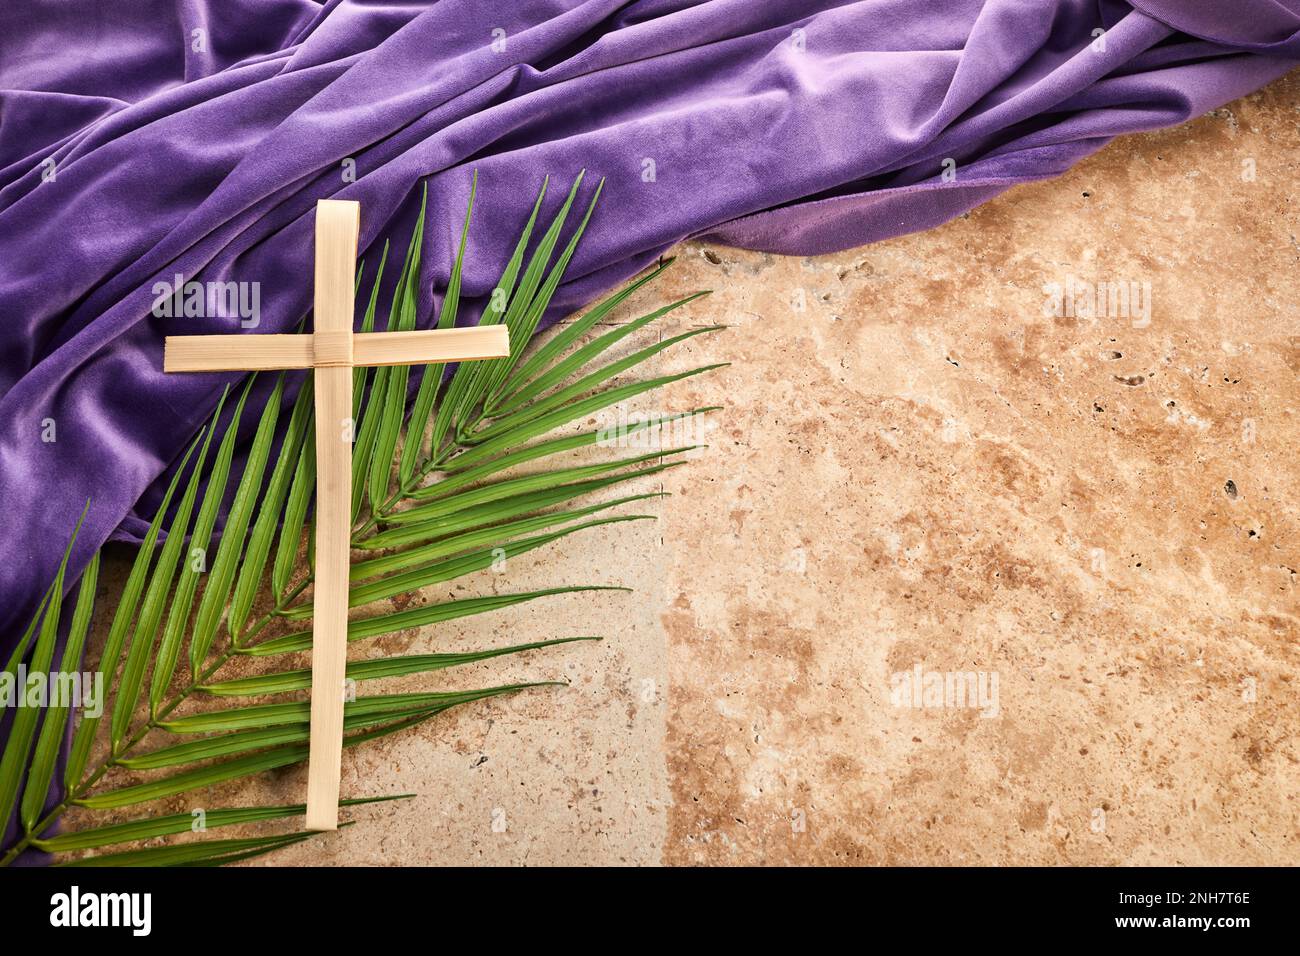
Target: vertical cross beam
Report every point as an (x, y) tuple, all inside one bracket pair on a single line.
[(337, 226)]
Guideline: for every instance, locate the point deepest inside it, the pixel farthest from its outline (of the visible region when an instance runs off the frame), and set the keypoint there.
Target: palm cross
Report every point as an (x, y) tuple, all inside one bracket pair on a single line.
[(331, 350)]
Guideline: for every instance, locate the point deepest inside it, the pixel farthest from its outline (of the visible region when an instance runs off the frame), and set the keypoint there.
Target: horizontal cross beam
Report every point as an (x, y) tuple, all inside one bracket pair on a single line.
[(229, 353)]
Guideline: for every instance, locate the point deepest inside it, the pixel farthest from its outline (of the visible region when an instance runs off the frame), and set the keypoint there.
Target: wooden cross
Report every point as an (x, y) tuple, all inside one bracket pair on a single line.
[(331, 350)]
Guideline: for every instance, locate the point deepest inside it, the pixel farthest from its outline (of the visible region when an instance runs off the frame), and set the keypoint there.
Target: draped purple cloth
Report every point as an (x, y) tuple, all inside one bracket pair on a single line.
[(159, 137)]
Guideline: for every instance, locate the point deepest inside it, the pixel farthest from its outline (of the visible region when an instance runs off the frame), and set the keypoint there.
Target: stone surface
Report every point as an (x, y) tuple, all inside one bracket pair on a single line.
[(919, 465), (924, 468)]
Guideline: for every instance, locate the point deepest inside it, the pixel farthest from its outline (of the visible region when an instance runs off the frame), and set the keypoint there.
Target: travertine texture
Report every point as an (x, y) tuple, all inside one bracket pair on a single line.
[(923, 467), (920, 465)]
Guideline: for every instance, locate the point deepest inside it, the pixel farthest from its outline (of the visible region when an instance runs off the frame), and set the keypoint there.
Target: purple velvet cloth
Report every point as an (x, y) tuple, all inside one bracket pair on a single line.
[(194, 137)]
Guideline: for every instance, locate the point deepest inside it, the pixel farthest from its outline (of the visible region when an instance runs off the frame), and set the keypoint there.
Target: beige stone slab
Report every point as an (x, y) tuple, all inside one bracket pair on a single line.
[(921, 467)]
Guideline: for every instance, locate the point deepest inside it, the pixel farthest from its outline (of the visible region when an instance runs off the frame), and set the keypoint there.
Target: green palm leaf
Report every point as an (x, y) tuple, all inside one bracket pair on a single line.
[(41, 774), (495, 534), (412, 452), (364, 627), (422, 577), (301, 489), (461, 502), (13, 763), (299, 712), (455, 478), (197, 853), (545, 355), (500, 510), (140, 649), (285, 681), (377, 408), (20, 649), (222, 575), (149, 828), (268, 515), (393, 394), (463, 383)]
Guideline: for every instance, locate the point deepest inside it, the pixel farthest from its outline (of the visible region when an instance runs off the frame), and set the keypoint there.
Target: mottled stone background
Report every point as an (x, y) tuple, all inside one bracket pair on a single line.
[(917, 464)]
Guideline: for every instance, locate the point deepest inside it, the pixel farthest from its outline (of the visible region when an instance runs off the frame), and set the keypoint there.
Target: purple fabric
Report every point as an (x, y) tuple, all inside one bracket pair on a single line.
[(194, 136)]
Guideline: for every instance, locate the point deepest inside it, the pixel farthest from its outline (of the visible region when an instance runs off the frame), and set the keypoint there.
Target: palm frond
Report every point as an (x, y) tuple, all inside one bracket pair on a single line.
[(439, 495)]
